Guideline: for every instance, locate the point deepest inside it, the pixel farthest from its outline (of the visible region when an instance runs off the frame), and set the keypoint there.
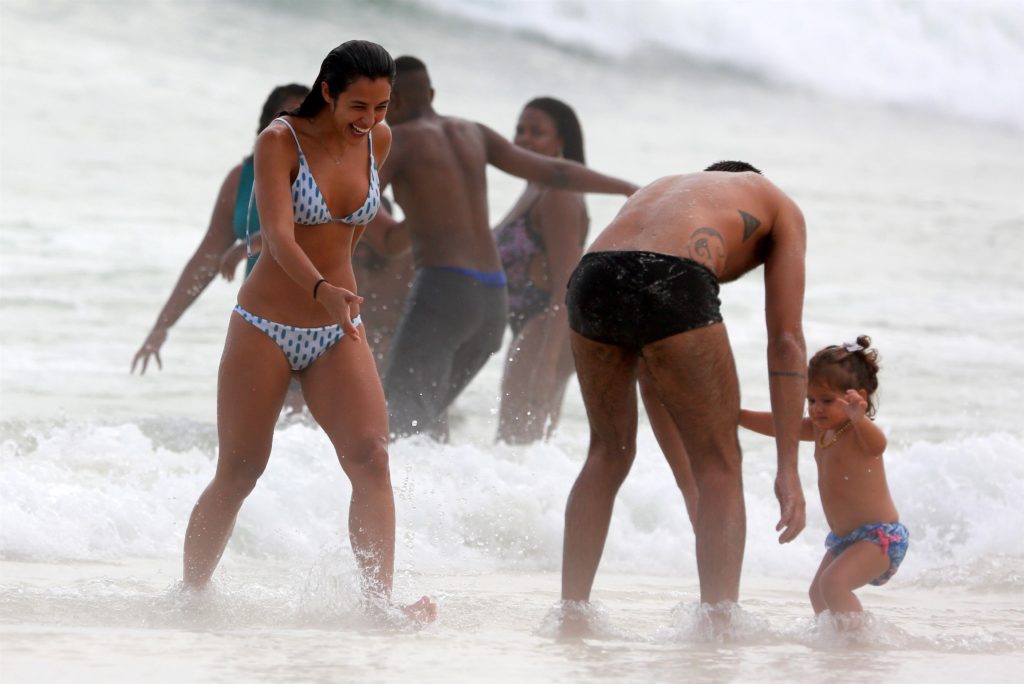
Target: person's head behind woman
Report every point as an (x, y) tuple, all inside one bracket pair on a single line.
[(343, 66), (544, 117), (281, 98)]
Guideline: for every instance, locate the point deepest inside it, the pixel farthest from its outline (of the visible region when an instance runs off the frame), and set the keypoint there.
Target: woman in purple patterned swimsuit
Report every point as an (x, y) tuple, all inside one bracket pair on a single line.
[(540, 242)]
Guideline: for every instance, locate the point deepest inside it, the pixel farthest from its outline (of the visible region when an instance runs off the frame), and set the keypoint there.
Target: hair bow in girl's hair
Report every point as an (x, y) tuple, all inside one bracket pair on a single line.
[(852, 347)]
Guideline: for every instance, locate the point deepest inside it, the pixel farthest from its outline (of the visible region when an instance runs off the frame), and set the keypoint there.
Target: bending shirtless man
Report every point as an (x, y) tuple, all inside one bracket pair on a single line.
[(648, 290), (454, 317)]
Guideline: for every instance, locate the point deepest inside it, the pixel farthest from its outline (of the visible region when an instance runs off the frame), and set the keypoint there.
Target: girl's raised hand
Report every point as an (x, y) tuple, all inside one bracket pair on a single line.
[(854, 404)]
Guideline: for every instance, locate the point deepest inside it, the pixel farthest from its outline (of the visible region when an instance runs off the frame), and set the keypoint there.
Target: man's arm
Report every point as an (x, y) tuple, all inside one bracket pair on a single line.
[(558, 173), (787, 357), (385, 235)]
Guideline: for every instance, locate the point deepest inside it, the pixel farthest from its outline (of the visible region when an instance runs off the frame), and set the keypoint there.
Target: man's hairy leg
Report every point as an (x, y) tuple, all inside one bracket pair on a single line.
[(607, 377), (695, 377)]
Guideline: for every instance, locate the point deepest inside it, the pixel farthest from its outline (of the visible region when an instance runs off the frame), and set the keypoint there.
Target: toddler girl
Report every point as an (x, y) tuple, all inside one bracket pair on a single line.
[(867, 542)]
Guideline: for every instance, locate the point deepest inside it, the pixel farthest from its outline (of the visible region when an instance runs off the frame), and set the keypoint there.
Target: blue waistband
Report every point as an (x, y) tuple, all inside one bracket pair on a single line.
[(492, 279)]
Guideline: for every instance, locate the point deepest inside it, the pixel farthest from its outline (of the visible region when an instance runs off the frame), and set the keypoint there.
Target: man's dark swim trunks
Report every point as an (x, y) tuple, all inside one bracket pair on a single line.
[(452, 321), (631, 299)]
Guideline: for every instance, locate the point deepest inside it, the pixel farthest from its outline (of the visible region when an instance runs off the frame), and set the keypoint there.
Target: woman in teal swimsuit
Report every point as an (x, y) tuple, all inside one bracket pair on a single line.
[(227, 229), (297, 315)]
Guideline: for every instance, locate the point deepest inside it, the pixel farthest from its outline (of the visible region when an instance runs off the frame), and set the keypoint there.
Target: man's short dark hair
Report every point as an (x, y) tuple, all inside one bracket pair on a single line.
[(733, 166), (406, 64)]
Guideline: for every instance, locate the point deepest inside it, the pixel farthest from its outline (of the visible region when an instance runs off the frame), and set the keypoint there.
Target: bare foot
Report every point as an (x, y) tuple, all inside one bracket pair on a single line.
[(854, 621), (423, 611), (386, 614), (575, 620)]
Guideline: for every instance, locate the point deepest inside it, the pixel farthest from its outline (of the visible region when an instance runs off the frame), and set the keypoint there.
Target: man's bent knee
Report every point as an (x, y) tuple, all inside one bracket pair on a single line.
[(612, 451), (717, 482), (717, 457), (613, 459)]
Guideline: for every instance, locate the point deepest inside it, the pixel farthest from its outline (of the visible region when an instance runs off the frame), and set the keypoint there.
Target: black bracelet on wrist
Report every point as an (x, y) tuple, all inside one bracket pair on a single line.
[(317, 286)]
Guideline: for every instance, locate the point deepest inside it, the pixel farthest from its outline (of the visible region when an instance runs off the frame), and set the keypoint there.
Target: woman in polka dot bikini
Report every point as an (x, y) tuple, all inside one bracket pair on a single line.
[(298, 314)]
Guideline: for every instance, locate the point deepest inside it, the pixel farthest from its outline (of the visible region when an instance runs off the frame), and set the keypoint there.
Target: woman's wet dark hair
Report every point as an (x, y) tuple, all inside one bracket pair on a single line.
[(840, 369), (275, 102), (566, 123), (343, 66)]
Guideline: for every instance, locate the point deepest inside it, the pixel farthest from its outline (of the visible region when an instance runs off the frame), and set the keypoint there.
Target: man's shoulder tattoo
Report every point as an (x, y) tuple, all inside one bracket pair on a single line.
[(750, 224)]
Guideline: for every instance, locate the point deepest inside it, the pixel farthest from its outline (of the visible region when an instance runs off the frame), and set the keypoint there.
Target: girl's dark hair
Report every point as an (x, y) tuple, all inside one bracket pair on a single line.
[(342, 66), (566, 123), (840, 369), (275, 102)]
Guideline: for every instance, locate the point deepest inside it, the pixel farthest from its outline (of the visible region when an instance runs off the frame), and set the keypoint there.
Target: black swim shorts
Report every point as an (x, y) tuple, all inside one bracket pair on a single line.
[(631, 299)]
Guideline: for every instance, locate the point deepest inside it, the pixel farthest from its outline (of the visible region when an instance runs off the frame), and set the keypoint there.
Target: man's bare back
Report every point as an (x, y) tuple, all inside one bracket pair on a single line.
[(725, 221), (438, 172)]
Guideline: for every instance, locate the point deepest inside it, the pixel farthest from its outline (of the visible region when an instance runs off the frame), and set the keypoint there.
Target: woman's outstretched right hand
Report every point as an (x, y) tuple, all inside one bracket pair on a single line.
[(151, 347), (343, 305)]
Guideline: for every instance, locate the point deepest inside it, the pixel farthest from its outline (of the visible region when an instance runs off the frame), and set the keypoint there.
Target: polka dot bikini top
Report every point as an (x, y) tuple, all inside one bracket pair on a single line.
[(308, 203)]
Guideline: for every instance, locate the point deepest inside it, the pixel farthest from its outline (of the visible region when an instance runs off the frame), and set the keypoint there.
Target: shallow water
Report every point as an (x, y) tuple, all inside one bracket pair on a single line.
[(97, 621), (915, 224)]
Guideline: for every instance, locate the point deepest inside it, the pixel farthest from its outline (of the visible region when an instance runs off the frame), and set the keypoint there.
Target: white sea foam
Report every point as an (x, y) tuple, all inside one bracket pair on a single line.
[(99, 492), (960, 58)]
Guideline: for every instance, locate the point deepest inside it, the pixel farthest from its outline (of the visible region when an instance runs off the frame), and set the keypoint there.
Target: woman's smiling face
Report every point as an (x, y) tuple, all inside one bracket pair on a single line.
[(536, 131)]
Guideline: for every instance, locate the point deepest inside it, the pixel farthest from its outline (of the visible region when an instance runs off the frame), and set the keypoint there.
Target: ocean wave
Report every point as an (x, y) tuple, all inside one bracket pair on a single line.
[(88, 491), (961, 59)]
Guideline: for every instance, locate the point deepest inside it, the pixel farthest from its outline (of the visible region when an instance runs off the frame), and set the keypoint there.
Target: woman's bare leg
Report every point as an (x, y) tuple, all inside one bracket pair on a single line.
[(344, 395), (566, 369), (530, 412), (251, 387), (515, 419)]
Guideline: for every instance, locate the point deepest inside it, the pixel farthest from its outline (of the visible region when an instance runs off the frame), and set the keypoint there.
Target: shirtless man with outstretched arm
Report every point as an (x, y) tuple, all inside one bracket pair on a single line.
[(455, 315)]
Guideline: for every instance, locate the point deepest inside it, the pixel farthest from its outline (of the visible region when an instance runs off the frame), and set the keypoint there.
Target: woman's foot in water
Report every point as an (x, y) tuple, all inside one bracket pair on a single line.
[(423, 611)]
